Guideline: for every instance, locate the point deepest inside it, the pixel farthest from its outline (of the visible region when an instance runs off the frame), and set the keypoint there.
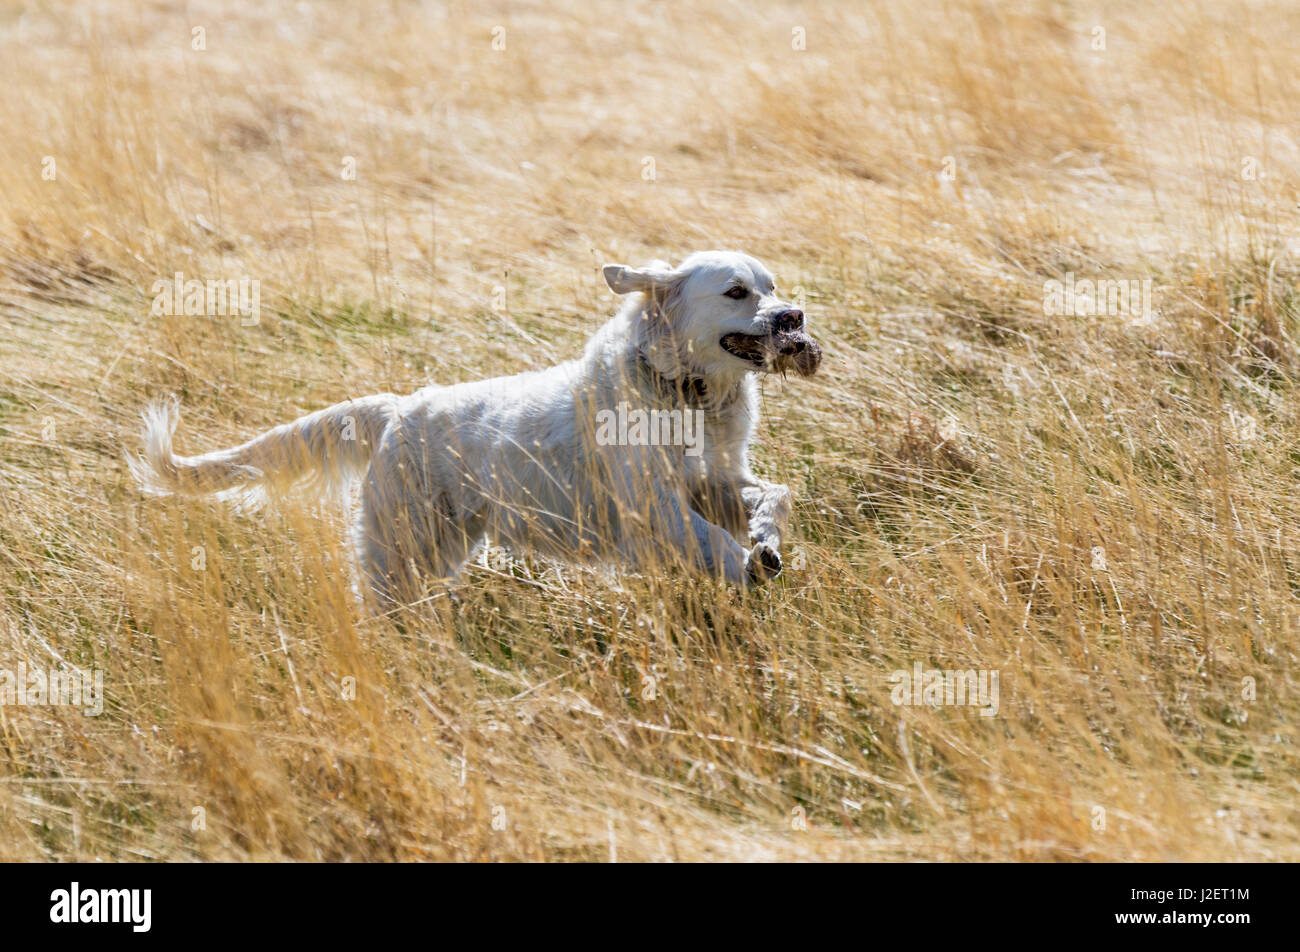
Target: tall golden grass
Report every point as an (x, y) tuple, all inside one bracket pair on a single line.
[(1100, 508)]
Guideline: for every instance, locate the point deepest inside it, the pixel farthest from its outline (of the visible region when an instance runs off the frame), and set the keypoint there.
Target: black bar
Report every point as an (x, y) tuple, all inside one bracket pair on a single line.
[(329, 903)]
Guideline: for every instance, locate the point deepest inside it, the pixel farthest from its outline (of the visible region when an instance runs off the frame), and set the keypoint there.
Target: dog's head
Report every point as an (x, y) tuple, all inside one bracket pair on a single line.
[(718, 312)]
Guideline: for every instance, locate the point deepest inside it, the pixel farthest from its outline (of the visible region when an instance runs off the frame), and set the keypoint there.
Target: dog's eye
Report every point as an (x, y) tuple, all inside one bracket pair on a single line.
[(736, 293)]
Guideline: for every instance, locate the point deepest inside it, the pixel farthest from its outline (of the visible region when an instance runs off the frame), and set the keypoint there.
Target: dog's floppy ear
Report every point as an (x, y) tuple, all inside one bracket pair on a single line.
[(624, 280)]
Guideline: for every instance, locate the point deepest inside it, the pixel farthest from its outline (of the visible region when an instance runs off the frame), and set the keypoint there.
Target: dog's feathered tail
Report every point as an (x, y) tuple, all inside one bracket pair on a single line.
[(326, 449)]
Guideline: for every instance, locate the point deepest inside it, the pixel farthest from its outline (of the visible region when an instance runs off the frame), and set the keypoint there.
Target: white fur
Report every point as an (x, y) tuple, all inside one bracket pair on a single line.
[(514, 458)]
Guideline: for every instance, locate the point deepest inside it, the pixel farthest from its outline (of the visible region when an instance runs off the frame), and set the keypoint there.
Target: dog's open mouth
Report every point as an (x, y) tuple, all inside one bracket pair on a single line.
[(780, 352)]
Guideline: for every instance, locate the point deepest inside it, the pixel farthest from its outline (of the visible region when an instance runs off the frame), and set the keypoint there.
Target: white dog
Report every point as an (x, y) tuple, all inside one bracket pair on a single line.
[(529, 461)]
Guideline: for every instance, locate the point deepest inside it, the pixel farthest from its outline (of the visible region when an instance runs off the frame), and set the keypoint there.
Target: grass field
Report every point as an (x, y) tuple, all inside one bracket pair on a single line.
[(1098, 505)]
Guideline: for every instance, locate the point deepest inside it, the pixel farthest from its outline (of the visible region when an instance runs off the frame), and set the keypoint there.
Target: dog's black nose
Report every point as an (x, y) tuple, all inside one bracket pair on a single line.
[(789, 320)]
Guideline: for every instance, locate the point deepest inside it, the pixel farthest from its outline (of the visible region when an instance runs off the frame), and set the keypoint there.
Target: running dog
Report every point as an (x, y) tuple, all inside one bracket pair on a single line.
[(523, 460)]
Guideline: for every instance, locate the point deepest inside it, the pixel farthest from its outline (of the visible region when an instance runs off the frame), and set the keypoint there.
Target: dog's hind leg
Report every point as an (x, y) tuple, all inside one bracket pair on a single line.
[(419, 545), (411, 532)]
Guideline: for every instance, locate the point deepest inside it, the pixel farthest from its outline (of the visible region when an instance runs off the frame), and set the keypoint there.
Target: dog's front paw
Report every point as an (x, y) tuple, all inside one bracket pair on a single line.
[(762, 564)]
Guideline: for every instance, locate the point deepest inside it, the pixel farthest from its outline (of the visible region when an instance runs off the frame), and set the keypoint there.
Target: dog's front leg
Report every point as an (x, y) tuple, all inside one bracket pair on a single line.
[(768, 507), (712, 547), (746, 507), (749, 508)]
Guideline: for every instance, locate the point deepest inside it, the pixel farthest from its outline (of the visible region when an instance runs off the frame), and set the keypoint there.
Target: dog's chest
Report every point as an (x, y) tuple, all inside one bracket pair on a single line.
[(723, 440)]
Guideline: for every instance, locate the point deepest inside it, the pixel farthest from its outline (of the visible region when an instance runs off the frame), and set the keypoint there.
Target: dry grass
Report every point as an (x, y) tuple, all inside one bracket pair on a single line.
[(956, 465)]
